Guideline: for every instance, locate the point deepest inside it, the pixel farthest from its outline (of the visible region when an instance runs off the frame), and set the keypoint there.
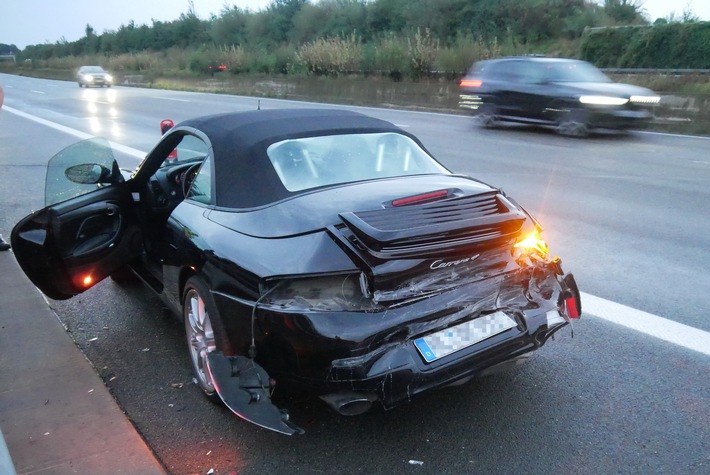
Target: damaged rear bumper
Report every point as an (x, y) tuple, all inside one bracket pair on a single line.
[(377, 356), (398, 372), (356, 359)]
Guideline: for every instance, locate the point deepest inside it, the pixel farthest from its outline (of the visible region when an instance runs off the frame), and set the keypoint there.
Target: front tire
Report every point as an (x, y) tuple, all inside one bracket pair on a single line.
[(573, 124), (200, 314)]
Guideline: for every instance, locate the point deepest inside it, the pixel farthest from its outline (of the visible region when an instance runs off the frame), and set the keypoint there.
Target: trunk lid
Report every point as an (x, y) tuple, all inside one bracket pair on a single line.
[(415, 250)]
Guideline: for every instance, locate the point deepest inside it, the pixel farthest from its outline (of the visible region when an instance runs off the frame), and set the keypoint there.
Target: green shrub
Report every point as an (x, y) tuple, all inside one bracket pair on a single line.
[(200, 61), (662, 46), (331, 56), (456, 59), (390, 57), (423, 49)]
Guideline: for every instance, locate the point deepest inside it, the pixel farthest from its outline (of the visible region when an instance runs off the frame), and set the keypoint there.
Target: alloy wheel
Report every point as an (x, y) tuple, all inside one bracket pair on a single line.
[(200, 337)]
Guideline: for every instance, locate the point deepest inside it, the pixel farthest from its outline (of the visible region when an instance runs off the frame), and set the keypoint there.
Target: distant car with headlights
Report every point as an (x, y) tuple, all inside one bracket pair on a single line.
[(324, 248), (88, 76), (570, 95)]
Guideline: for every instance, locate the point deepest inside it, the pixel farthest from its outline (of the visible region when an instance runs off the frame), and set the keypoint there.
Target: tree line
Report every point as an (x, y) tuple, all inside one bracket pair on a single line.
[(335, 36)]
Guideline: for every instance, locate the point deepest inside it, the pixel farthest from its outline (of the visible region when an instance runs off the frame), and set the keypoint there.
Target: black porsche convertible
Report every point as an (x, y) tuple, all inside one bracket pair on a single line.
[(325, 248)]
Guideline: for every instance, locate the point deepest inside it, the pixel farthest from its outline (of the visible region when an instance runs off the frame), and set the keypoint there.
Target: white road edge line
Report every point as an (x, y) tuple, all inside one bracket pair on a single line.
[(658, 327), (76, 133), (170, 99), (647, 323)]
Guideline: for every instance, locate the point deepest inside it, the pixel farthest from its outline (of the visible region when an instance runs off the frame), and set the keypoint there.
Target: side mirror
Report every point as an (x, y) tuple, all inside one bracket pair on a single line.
[(88, 174)]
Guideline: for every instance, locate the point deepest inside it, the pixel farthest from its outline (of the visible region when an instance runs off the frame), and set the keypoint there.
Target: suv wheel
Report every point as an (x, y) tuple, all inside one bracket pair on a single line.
[(573, 124), (487, 116)]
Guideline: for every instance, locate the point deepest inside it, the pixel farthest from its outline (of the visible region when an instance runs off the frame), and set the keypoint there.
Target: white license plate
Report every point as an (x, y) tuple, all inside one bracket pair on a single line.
[(444, 342)]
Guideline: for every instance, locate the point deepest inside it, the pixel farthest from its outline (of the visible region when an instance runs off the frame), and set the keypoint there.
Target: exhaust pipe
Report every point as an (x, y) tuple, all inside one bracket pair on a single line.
[(350, 404)]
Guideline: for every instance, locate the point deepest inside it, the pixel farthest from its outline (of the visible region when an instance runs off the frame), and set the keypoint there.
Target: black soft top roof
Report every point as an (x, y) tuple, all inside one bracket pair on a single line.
[(243, 174)]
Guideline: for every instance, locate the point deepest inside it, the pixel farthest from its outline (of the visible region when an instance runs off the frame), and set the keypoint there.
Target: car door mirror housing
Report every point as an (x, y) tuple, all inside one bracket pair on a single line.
[(88, 174)]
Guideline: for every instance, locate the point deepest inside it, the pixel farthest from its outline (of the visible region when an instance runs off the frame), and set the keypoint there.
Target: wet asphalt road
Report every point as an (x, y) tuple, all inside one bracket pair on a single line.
[(628, 215)]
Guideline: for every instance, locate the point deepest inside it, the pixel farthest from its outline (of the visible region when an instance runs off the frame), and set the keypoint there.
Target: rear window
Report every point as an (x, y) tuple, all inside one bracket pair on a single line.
[(311, 162)]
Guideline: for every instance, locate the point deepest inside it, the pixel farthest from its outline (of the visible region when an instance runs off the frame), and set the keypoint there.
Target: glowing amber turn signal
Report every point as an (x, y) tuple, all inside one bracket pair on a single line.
[(531, 248), (533, 242), (87, 280)]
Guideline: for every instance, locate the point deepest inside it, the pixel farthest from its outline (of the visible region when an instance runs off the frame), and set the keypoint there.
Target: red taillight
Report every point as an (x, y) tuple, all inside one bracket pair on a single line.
[(571, 307), (87, 280), (419, 198), (471, 83)]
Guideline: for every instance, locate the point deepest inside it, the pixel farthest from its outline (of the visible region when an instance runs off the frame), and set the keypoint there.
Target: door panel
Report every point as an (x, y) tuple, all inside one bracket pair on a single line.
[(67, 248), (89, 230)]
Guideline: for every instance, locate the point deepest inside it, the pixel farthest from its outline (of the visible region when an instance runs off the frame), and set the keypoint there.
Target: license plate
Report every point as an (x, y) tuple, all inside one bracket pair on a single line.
[(444, 342)]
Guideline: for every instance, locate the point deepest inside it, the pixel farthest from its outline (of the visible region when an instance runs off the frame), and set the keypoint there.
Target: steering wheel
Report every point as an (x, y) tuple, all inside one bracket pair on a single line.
[(189, 178)]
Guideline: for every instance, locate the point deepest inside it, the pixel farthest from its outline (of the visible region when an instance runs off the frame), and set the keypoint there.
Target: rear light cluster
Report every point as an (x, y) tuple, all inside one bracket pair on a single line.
[(471, 83), (334, 293), (530, 249), (571, 307)]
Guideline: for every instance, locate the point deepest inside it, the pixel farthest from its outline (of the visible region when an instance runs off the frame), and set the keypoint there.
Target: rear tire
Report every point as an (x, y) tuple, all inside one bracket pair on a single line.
[(487, 116)]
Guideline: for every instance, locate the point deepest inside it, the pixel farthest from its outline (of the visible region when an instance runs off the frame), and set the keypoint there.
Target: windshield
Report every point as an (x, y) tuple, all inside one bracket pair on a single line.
[(190, 149), (318, 161), (92, 69), (573, 71)]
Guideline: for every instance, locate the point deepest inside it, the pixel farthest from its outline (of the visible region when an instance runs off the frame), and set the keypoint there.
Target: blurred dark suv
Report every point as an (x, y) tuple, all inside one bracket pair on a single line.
[(93, 76), (571, 95)]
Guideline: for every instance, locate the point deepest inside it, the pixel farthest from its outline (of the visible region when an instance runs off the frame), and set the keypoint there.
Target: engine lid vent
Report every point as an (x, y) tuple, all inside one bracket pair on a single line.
[(434, 228)]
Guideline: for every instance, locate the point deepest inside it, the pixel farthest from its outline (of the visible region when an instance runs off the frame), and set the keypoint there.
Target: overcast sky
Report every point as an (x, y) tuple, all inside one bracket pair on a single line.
[(26, 22)]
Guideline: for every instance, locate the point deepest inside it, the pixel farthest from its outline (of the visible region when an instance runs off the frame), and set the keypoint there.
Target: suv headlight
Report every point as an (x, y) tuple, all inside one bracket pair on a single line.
[(645, 99), (603, 100)]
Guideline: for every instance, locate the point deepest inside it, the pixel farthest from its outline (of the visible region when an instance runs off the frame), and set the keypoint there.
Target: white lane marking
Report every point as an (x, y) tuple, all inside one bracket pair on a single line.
[(38, 92), (701, 161), (665, 134), (170, 99), (647, 323), (76, 133)]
